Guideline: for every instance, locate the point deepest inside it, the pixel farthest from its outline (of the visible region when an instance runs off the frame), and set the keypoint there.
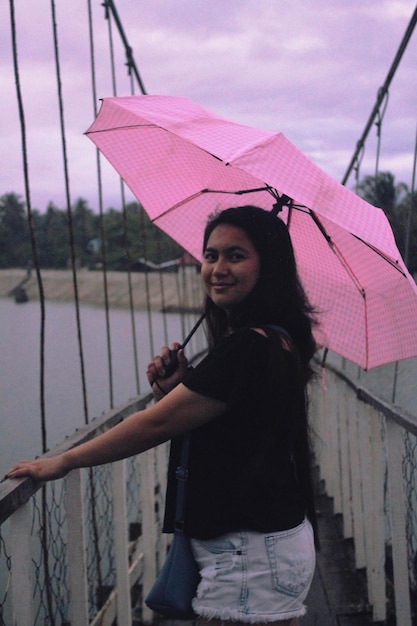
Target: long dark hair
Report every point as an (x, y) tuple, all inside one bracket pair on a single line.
[(278, 297)]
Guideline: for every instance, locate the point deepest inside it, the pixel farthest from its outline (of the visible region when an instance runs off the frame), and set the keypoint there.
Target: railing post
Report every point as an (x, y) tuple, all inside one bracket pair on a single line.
[(397, 514), (345, 459), (329, 435), (356, 478), (376, 566), (21, 580), (124, 610), (334, 470), (147, 497), (77, 548), (368, 498)]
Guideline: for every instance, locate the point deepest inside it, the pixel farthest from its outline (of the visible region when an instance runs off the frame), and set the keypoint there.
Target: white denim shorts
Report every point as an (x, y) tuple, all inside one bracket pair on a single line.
[(252, 577)]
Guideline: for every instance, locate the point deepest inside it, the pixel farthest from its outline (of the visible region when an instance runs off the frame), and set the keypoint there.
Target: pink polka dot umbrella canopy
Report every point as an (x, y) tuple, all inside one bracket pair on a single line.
[(183, 162)]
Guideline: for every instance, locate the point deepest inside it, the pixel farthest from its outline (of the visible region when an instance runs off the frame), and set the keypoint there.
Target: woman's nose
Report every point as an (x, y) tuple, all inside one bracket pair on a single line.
[(220, 266)]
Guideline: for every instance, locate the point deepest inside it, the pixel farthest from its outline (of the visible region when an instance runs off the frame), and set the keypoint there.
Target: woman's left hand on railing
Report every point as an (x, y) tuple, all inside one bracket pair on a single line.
[(40, 470)]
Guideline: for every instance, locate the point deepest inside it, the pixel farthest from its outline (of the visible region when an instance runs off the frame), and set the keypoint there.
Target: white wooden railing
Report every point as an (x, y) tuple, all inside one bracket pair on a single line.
[(360, 448), (359, 445), (135, 561)]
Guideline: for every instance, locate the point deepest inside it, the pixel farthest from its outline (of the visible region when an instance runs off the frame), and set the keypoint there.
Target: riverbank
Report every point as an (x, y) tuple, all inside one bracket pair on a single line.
[(162, 291)]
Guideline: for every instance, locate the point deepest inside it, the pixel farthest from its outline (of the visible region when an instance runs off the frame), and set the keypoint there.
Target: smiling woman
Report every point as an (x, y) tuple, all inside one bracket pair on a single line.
[(230, 268), (250, 513)]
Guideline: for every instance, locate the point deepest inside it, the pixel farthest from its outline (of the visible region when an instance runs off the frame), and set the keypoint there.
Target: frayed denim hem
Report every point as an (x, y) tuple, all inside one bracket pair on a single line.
[(227, 615)]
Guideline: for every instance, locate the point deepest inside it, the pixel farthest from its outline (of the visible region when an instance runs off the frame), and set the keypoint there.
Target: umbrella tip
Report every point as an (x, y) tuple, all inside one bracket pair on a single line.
[(280, 202)]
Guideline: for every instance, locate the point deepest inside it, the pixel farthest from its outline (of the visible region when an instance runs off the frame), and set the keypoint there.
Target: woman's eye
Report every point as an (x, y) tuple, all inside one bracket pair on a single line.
[(209, 257)]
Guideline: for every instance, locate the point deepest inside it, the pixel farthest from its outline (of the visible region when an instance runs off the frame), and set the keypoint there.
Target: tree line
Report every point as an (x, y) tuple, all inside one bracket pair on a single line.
[(400, 206), (123, 237)]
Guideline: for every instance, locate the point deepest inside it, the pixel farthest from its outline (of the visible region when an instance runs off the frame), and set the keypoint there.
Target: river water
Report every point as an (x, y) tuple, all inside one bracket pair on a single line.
[(20, 416), (20, 421)]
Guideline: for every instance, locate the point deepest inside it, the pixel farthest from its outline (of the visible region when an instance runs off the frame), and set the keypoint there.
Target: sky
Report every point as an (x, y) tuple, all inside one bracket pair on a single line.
[(308, 68)]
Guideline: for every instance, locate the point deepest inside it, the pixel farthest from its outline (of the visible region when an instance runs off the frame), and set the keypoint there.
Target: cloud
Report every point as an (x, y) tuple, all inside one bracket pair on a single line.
[(311, 71)]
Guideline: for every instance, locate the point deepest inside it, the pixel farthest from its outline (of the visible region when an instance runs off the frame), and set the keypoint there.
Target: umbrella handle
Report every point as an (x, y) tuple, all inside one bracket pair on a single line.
[(172, 365), (173, 354)]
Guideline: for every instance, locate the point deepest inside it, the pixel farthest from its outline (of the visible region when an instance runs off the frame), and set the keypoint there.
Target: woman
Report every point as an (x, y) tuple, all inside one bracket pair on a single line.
[(250, 508)]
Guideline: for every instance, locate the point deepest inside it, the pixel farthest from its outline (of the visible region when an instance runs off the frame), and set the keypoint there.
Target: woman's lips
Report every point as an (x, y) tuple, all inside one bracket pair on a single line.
[(221, 285)]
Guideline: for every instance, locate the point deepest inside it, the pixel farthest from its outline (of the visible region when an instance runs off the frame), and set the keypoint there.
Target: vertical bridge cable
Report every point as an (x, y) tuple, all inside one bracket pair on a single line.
[(357, 166), (162, 287), (124, 217), (69, 209), (376, 112), (407, 246), (130, 289), (147, 287), (103, 247), (410, 210), (380, 118), (91, 474), (133, 71), (44, 528), (31, 226), (109, 5), (382, 92)]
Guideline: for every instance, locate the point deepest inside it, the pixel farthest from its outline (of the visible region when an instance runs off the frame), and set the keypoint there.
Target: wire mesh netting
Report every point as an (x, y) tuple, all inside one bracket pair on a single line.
[(410, 482), (5, 578), (48, 539), (100, 546)]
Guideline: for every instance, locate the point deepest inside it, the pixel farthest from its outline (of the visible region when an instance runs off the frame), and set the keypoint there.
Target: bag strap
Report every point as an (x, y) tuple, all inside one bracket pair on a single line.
[(280, 330), (182, 477)]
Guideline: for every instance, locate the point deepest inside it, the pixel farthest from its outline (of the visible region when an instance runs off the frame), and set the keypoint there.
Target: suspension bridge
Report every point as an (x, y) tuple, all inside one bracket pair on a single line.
[(84, 550)]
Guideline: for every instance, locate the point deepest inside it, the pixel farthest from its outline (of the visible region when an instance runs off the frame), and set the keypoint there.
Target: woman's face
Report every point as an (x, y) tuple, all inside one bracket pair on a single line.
[(231, 266)]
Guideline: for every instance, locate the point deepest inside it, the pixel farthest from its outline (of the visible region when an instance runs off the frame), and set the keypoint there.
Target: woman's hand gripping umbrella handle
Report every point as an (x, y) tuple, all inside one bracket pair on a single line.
[(170, 366)]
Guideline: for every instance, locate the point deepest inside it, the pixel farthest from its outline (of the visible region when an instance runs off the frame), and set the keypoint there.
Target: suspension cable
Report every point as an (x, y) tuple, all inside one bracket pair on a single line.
[(91, 476), (35, 254), (124, 217), (132, 70), (357, 167), (44, 528), (162, 287), (130, 288), (130, 61), (147, 286), (69, 209), (103, 247), (410, 210), (378, 124), (382, 92)]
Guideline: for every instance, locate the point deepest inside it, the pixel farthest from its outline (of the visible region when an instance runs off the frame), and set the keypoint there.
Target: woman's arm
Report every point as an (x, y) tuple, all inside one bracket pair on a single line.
[(180, 411)]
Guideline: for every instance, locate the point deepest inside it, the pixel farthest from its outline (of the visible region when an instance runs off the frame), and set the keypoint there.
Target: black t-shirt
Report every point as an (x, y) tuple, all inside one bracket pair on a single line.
[(241, 470)]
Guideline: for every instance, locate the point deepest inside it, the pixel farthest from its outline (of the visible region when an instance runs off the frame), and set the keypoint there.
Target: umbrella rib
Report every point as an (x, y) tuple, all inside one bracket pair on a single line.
[(117, 128), (152, 125), (338, 254), (178, 204), (240, 192), (386, 258)]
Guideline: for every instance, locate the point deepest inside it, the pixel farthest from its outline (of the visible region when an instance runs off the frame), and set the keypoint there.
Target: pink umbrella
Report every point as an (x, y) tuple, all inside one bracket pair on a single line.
[(183, 162)]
